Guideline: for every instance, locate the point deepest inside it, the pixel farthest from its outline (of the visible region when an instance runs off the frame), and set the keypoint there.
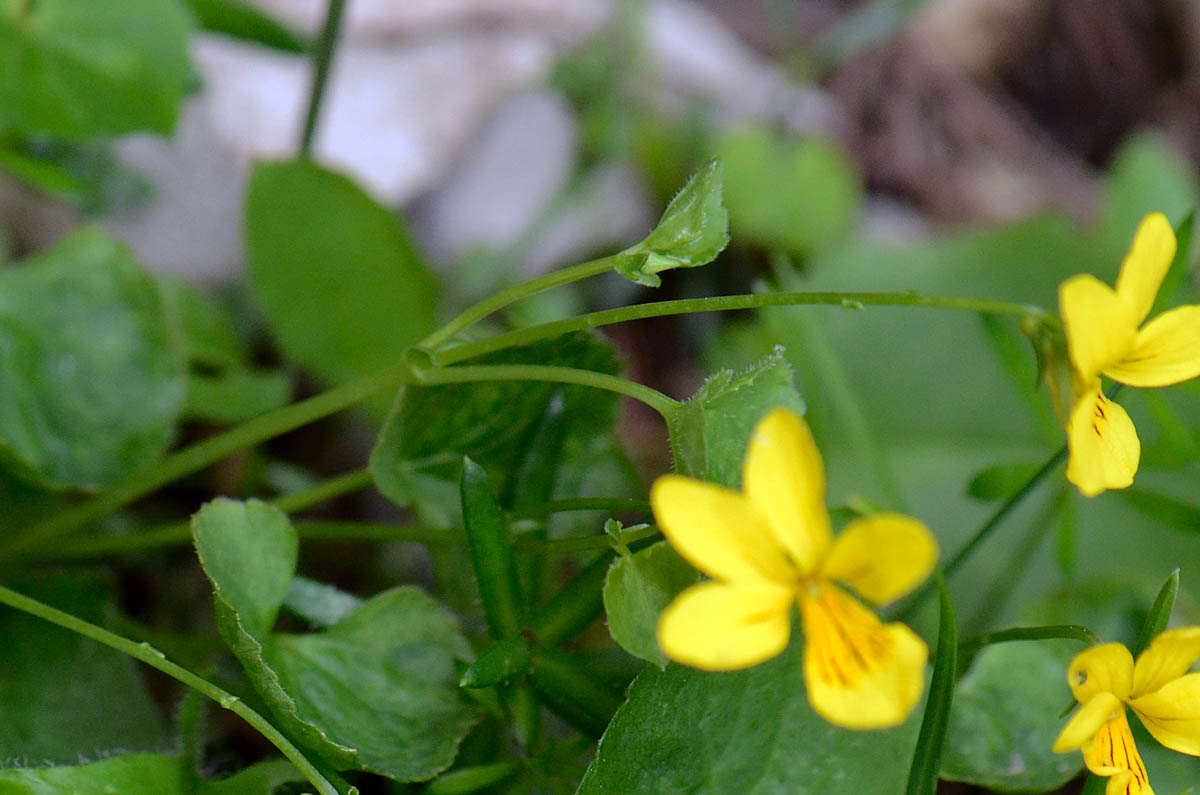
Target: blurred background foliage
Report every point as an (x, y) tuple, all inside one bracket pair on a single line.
[(950, 147)]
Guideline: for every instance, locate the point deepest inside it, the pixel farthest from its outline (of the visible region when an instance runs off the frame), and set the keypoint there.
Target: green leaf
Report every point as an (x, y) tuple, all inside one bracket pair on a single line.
[(693, 230), (85, 174), (318, 603), (1147, 174), (472, 779), (78, 69), (132, 774), (1181, 266), (259, 779), (1005, 719), (1066, 534), (1160, 612), (491, 552), (222, 386), (209, 332), (249, 552), (1178, 444), (684, 730), (636, 591), (341, 284), (93, 378), (1001, 481), (709, 432), (25, 504), (796, 194), (246, 22), (926, 761), (64, 697), (235, 396), (48, 177), (1164, 509), (142, 774), (392, 658), (503, 661), (430, 429)]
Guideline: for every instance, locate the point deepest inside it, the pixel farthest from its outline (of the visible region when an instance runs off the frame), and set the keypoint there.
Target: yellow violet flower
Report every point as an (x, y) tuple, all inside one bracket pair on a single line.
[(1158, 688), (1105, 335), (773, 544)]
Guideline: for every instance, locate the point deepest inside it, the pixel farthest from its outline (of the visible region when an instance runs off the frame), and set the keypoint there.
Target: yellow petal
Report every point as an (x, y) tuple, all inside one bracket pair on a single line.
[(1172, 714), (1146, 265), (717, 531), (1165, 352), (882, 557), (860, 673), (1103, 442), (1086, 723), (1100, 328), (1114, 754), (1107, 668), (1168, 657), (720, 627), (784, 480)]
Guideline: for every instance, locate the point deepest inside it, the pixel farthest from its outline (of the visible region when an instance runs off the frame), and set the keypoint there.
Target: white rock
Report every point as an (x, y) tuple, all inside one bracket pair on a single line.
[(511, 170), (193, 224), (395, 116), (564, 20), (608, 210)]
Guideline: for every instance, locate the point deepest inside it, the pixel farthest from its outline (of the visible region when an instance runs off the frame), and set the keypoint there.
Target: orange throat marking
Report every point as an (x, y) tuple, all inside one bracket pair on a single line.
[(845, 638)]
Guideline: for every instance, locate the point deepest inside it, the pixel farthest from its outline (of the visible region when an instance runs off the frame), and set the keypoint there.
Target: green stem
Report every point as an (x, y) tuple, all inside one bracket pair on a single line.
[(562, 546), (610, 504), (205, 453), (325, 491), (179, 534), (1008, 575), (906, 608), (322, 62), (518, 291), (1054, 631), (572, 691), (157, 660), (931, 740), (566, 375), (1004, 510), (723, 303)]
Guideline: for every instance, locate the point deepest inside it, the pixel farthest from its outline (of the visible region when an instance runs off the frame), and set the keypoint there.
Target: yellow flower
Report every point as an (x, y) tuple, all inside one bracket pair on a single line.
[(1105, 335), (1157, 688), (773, 544)]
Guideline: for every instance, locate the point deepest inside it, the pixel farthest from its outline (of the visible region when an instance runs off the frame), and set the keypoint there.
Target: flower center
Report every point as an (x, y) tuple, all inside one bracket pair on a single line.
[(846, 641)]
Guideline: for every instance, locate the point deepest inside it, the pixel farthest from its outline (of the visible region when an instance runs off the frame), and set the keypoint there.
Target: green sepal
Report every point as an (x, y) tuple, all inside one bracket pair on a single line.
[(505, 660), (491, 552), (1160, 612), (693, 230)]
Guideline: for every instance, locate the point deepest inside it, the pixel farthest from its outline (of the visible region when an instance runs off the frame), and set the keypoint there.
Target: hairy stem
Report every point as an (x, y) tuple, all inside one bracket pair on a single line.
[(203, 454), (565, 375), (505, 297), (725, 303), (147, 654)]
